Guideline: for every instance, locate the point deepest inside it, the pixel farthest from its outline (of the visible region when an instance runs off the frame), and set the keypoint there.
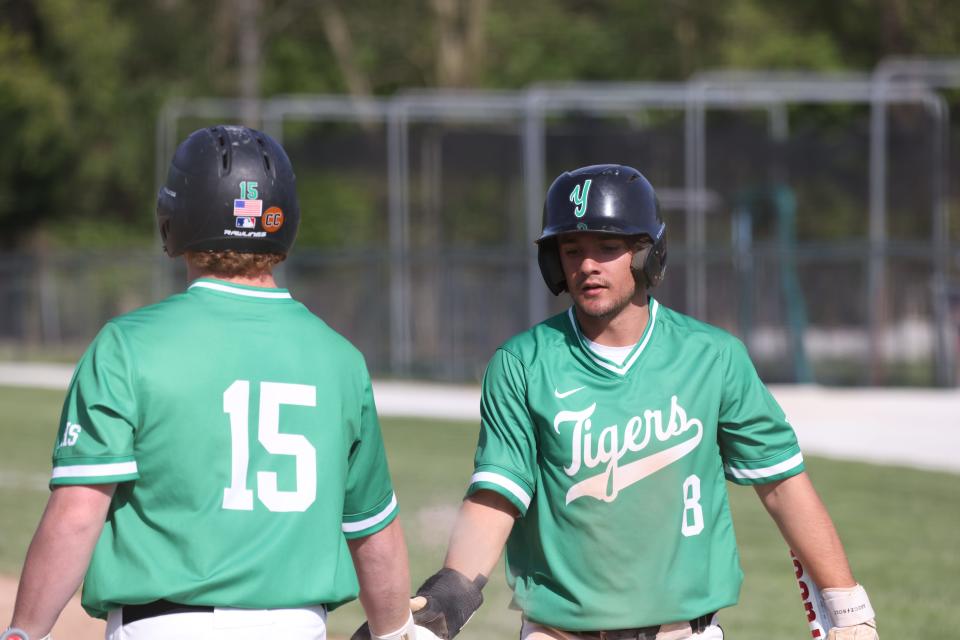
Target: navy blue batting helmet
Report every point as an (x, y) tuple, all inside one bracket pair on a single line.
[(603, 198), (229, 187)]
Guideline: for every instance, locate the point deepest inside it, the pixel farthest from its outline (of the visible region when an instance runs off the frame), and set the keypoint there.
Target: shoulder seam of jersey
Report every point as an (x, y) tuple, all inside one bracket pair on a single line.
[(516, 356), (128, 353)]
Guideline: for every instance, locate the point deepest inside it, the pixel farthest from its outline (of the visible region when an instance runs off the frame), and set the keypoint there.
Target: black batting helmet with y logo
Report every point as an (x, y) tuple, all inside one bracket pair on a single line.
[(603, 198), (229, 187)]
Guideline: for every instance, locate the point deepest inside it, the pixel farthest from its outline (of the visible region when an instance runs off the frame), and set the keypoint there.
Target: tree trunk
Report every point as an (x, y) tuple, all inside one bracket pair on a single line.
[(461, 31), (338, 35), (248, 41)]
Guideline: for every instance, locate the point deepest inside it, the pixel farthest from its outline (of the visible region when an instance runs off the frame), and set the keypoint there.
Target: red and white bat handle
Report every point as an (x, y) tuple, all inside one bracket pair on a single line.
[(818, 618)]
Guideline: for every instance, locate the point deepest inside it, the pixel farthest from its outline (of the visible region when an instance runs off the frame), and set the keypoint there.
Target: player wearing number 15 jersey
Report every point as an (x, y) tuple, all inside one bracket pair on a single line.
[(219, 471), (607, 436), (256, 446)]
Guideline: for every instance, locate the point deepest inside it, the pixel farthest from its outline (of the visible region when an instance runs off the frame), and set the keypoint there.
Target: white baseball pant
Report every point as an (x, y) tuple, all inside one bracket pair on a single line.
[(309, 623)]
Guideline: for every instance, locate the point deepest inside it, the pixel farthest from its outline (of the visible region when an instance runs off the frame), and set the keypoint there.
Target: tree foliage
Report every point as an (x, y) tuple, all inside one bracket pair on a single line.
[(81, 83)]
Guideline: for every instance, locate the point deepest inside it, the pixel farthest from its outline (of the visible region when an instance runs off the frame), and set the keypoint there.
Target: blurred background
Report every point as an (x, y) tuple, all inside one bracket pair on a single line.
[(806, 155), (802, 152)]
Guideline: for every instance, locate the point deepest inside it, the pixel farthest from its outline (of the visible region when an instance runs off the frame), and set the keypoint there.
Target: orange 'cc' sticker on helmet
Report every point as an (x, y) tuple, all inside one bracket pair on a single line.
[(272, 219)]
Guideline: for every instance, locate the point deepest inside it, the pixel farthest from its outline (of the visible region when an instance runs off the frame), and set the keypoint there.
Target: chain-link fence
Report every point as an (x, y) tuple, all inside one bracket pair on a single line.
[(826, 241)]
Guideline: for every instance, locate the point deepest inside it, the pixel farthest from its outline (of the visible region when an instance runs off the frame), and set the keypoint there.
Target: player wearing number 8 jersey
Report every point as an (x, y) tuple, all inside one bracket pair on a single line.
[(619, 476), (220, 464), (607, 435)]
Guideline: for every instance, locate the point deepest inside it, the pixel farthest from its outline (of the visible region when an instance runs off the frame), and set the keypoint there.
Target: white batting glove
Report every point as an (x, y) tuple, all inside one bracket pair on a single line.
[(423, 633), (406, 632), (851, 613), (409, 631)]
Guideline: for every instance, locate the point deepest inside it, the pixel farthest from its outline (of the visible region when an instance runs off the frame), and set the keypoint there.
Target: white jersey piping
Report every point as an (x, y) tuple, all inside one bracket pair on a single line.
[(360, 525), (606, 364), (250, 293), (95, 470), (765, 472), (508, 484)]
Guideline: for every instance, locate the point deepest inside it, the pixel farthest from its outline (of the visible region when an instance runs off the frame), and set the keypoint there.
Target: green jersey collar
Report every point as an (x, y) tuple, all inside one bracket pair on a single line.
[(241, 290), (638, 349)]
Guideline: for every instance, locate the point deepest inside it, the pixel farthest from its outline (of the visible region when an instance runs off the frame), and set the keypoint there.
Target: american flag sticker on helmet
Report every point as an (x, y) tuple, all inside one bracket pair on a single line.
[(247, 207)]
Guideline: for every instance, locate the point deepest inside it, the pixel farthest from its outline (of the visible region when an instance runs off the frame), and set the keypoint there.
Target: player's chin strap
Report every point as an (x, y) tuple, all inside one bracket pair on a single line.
[(19, 634), (848, 607)]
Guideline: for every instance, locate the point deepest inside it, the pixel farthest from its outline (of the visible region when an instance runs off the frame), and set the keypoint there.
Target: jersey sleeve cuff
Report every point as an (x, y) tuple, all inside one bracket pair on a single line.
[(509, 485), (92, 471), (747, 472), (369, 522)]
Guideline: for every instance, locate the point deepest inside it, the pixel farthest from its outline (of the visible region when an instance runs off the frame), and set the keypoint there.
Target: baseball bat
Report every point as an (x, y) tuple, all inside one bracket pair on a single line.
[(818, 619)]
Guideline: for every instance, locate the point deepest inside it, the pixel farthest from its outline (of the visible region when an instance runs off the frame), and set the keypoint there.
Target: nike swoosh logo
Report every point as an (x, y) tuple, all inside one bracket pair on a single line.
[(557, 393)]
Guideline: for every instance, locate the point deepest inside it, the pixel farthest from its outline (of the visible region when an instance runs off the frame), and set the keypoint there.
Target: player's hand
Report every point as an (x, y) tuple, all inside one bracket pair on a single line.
[(446, 602), (362, 633), (420, 633), (851, 612), (863, 631)]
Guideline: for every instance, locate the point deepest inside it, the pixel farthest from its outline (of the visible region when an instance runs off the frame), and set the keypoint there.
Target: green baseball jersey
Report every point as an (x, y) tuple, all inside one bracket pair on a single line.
[(244, 439), (618, 470)]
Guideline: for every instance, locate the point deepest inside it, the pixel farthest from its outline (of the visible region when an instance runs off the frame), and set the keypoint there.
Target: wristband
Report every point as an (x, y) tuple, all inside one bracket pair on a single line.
[(406, 632), (848, 607)]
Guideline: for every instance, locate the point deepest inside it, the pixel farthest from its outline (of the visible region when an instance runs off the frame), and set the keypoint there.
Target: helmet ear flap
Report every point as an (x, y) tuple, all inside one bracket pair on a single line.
[(164, 232), (548, 255), (655, 264), (651, 261)]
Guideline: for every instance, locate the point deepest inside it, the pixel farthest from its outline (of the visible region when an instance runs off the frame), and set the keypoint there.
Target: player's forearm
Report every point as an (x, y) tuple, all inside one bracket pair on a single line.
[(806, 526), (384, 575), (480, 532), (58, 555)]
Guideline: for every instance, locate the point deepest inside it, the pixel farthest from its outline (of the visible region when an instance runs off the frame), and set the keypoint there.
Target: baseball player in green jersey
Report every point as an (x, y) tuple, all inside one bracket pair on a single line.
[(219, 471), (608, 433)]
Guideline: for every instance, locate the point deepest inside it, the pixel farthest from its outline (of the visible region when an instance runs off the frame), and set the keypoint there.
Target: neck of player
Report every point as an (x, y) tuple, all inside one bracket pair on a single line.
[(264, 280), (623, 327)]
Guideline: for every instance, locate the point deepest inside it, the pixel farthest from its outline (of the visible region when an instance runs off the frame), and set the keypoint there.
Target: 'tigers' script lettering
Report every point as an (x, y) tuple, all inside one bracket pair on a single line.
[(591, 449)]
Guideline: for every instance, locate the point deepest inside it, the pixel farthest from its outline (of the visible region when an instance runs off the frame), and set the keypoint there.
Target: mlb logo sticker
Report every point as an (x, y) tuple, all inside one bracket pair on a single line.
[(247, 208), (246, 222)]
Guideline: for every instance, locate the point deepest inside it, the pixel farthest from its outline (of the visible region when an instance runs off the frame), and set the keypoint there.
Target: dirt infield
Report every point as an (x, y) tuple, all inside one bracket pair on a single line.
[(74, 623)]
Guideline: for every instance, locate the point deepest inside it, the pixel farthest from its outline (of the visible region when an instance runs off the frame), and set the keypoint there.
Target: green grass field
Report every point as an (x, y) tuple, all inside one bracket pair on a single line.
[(900, 527)]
